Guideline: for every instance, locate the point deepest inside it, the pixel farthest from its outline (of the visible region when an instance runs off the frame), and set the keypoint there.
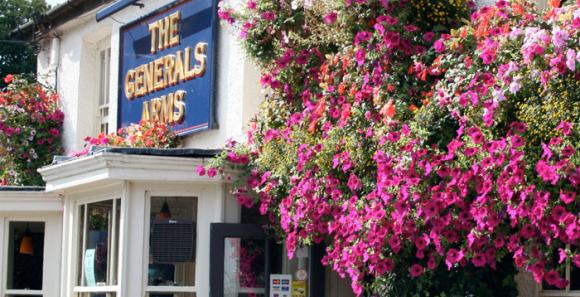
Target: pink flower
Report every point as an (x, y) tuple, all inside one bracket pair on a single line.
[(251, 5), (200, 170), (422, 242), (360, 56), (567, 197), (361, 37), (330, 18), (410, 28), (488, 56), (453, 256), (395, 244), (558, 212), (8, 78), (564, 127), (553, 278), (268, 15), (385, 266), (517, 141), (353, 182), (559, 37), (416, 270), (211, 172), (54, 132), (478, 260), (439, 46), (576, 260), (428, 36)]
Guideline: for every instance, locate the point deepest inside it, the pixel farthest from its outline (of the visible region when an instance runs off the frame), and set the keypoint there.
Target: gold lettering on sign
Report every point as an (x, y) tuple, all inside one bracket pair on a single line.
[(129, 85), (169, 109), (179, 103), (165, 32), (166, 71)]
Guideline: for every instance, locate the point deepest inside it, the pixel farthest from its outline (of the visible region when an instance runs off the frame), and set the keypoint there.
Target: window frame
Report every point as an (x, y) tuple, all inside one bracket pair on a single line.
[(79, 243), (5, 235), (561, 293), (147, 289), (103, 85)]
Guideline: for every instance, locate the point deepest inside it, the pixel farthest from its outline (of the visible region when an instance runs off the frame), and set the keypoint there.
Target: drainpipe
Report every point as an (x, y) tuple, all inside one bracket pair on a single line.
[(54, 60)]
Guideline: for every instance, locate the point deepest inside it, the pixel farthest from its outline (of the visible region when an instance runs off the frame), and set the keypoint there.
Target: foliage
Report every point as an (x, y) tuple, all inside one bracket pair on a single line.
[(414, 149), (16, 56), (30, 128), (149, 134), (470, 281)]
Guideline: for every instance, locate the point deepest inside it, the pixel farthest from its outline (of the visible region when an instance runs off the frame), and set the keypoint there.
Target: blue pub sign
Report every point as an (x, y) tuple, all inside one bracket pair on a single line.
[(167, 67)]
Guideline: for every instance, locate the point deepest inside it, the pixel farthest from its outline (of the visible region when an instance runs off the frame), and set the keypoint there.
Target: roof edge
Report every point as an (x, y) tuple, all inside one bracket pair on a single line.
[(55, 17)]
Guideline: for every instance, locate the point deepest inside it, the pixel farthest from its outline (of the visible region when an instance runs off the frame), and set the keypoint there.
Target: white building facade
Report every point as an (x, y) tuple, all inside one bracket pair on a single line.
[(137, 222)]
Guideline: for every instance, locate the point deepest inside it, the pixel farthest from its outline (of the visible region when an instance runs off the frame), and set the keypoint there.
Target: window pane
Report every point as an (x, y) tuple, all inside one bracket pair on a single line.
[(574, 278), (244, 267), (97, 294), (25, 255), (104, 76), (171, 295), (172, 241), (98, 259)]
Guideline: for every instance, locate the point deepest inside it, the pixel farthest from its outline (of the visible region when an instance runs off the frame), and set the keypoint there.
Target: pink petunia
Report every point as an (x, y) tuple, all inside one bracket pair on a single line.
[(416, 270)]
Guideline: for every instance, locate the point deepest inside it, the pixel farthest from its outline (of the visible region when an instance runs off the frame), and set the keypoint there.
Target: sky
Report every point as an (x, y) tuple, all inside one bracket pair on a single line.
[(54, 2)]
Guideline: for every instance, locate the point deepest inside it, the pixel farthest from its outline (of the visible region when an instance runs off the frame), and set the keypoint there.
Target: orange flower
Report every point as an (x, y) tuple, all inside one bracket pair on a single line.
[(312, 126), (320, 107), (388, 109), (341, 89), (9, 78), (463, 32), (518, 8)]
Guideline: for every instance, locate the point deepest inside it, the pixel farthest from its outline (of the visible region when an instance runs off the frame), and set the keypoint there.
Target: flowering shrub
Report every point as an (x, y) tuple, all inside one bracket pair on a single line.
[(408, 147), (30, 127), (149, 134)]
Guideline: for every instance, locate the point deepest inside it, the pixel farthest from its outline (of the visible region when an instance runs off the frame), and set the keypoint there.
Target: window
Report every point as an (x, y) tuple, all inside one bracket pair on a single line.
[(172, 246), (104, 83), (98, 248), (573, 288), (25, 257)]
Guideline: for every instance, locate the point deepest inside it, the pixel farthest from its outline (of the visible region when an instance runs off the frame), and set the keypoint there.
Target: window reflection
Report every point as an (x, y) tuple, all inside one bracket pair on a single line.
[(99, 239), (172, 242), (25, 255)]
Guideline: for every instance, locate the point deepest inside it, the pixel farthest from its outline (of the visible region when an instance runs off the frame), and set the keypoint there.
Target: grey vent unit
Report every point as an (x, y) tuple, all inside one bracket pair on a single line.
[(173, 241)]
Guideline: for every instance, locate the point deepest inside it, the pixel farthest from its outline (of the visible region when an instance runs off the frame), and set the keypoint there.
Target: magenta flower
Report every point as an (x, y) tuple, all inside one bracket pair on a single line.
[(330, 18), (567, 197), (428, 36), (439, 46), (416, 270), (268, 15)]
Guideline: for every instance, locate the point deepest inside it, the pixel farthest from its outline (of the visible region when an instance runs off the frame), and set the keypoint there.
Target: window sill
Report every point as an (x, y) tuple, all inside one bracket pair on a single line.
[(170, 289), (560, 294), (96, 289), (24, 292)]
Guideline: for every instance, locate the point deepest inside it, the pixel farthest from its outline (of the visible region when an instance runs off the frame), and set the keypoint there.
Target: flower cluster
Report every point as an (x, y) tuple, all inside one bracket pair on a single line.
[(407, 148), (30, 128), (149, 134)]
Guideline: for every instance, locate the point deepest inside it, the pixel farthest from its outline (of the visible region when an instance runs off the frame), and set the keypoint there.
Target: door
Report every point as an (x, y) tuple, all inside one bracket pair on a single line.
[(241, 260)]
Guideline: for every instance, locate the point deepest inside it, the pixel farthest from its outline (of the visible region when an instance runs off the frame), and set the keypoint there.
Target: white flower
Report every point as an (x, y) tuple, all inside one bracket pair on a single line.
[(294, 4), (515, 86)]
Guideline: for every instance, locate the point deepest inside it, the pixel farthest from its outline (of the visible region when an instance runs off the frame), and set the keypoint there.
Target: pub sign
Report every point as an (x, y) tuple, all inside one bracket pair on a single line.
[(167, 67)]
